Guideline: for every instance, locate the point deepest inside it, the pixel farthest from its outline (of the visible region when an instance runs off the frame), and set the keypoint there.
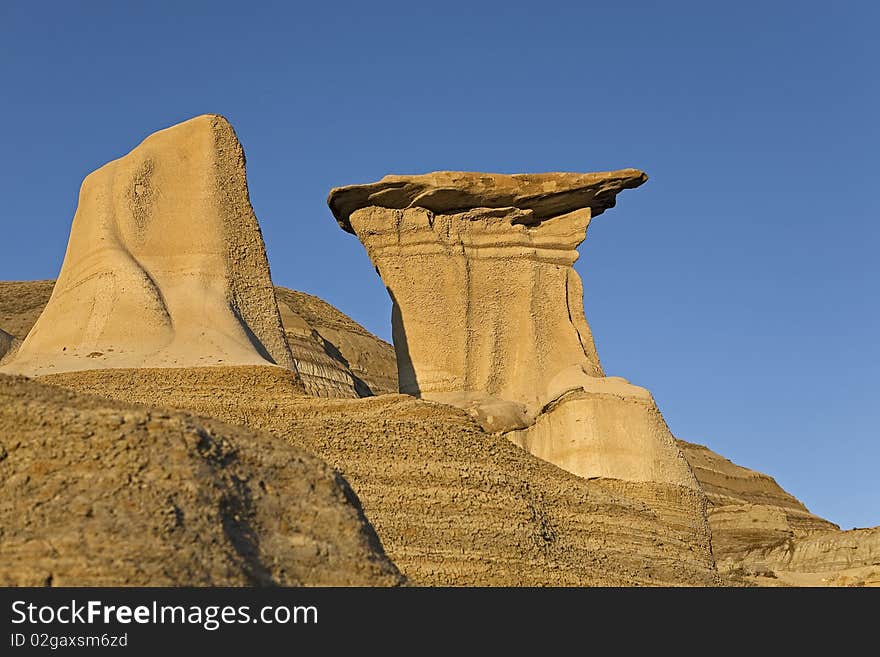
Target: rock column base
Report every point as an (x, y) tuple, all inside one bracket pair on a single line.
[(614, 431)]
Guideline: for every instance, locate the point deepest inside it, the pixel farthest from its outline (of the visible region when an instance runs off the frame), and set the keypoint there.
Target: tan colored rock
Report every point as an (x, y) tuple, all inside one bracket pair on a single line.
[(488, 312), (321, 373), (755, 522), (7, 342), (165, 265), (335, 356), (464, 272), (761, 534), (451, 504), (21, 303), (95, 492), (542, 195), (832, 558), (596, 432), (727, 483), (370, 360), (751, 516), (748, 510)]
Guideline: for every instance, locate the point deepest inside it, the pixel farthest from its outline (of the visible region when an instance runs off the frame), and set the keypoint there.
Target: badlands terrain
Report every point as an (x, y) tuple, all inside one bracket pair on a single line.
[(168, 416)]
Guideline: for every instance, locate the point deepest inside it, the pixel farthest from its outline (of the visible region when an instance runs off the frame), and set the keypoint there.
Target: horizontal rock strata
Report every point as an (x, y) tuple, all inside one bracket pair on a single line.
[(95, 492), (761, 534), (335, 356), (451, 504)]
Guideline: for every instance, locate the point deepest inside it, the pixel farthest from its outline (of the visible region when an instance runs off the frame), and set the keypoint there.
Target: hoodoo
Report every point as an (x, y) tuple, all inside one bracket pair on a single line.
[(488, 312), (165, 266)]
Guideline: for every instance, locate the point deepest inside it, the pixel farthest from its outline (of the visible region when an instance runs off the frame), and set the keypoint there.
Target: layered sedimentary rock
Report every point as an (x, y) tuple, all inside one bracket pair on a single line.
[(451, 504), (95, 492), (335, 356), (832, 558), (762, 534), (488, 312), (21, 303), (165, 265), (417, 510), (6, 342), (747, 509), (321, 373)]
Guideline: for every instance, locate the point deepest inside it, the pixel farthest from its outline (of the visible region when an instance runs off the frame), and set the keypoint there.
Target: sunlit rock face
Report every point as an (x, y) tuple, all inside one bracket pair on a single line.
[(165, 266), (488, 312)]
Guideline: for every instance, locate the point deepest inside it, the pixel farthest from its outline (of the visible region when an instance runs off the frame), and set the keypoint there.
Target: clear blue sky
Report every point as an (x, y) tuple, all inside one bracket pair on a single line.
[(739, 284)]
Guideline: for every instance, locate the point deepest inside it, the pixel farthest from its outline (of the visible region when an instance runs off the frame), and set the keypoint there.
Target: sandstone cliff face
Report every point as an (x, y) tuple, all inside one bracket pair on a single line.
[(451, 504), (831, 558), (165, 265), (101, 493), (763, 534), (488, 313), (733, 489)]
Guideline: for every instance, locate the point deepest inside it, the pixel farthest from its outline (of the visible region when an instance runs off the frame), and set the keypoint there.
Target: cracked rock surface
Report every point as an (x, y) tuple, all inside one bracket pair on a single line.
[(451, 504), (95, 492)]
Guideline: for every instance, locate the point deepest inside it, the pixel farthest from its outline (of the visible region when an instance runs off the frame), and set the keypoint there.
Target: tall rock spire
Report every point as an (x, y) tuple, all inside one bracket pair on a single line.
[(165, 266), (488, 312)]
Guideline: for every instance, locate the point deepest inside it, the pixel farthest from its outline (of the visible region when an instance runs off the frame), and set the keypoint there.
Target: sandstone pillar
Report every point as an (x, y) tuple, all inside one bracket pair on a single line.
[(488, 312)]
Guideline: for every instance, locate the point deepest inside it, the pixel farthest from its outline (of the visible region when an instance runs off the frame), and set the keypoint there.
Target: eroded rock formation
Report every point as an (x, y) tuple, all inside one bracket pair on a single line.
[(833, 558), (165, 265), (335, 356), (747, 509), (6, 342), (95, 492), (488, 312), (451, 504), (21, 303), (763, 534)]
